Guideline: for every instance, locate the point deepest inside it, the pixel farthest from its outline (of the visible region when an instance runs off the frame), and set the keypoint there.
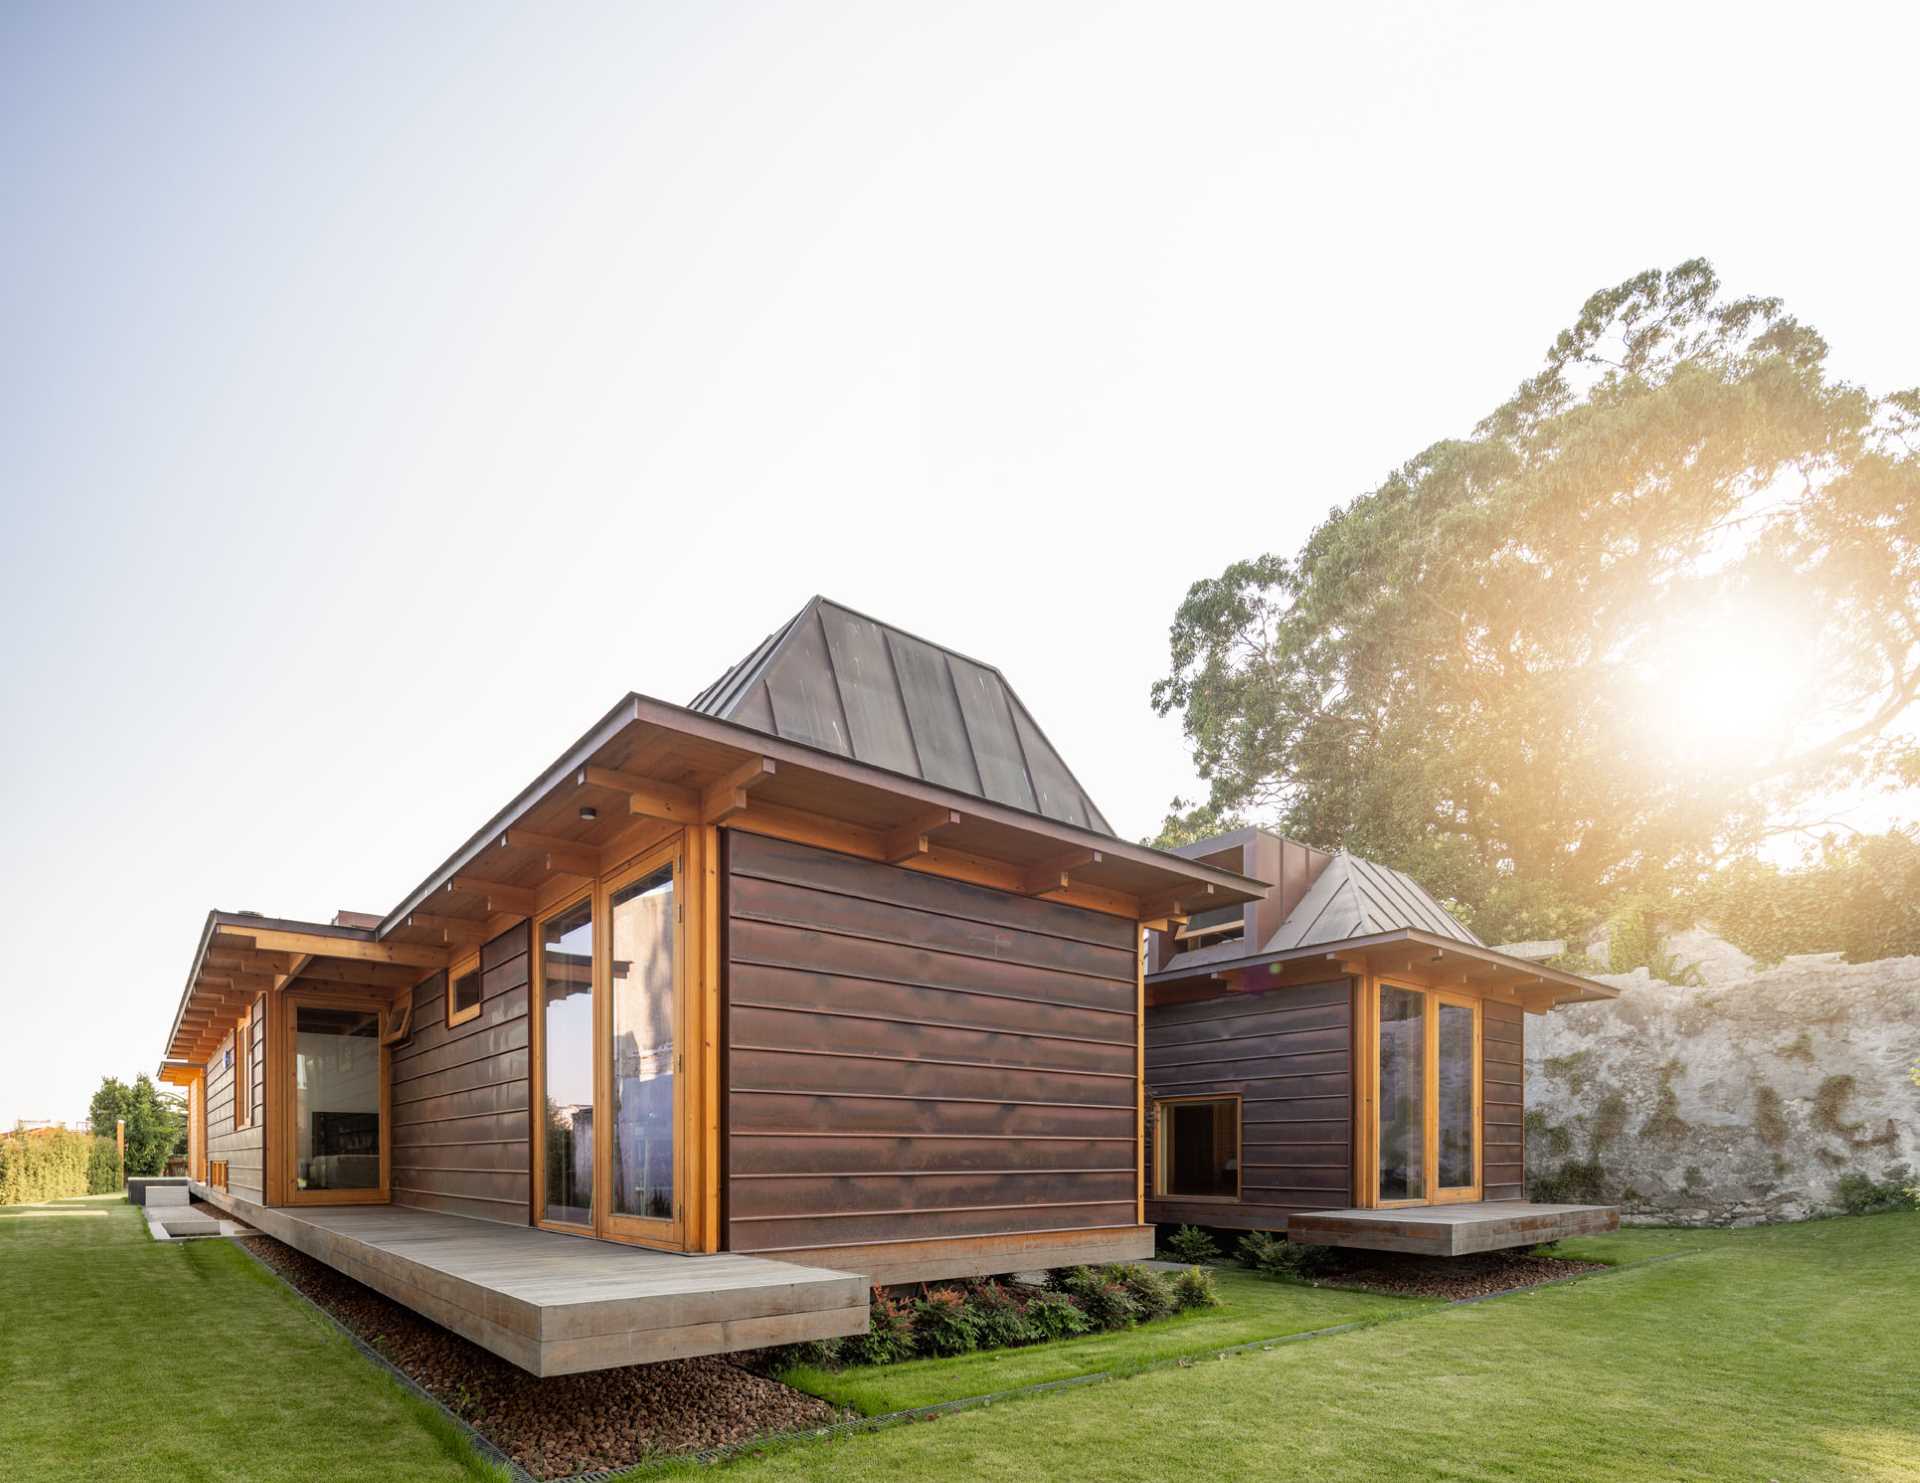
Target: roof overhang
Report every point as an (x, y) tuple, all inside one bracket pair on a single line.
[(650, 767), (1425, 959)]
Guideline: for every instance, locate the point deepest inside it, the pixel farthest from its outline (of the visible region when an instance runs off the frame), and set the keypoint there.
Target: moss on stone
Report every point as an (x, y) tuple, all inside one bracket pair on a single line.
[(1799, 1050), (1769, 1116), (1571, 1069), (1664, 1124), (1609, 1122)]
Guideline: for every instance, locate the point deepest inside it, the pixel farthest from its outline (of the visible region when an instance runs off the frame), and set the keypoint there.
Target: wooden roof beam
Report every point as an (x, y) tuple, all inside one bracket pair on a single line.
[(516, 901), (353, 949), (645, 796), (1183, 902), (459, 931), (912, 838), (729, 796), (561, 856), (1056, 874)]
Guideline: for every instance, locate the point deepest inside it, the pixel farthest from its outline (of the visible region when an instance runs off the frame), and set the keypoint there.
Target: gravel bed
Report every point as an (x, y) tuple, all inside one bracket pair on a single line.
[(569, 1423), (1450, 1277)]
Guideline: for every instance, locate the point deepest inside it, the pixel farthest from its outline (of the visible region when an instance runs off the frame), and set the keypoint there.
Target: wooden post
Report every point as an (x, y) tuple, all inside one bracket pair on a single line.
[(120, 1147)]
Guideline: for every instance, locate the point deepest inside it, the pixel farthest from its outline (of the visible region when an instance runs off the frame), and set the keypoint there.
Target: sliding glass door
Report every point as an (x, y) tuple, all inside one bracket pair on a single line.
[(607, 1056), (336, 1062), (1427, 1086)]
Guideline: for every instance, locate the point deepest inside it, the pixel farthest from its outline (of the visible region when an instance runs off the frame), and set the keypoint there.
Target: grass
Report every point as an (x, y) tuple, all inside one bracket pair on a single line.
[(1783, 1352), (1251, 1308), (122, 1357)]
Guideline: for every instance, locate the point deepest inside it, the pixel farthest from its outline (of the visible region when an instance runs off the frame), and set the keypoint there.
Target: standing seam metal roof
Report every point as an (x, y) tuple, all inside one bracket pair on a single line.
[(836, 679), (1359, 898)]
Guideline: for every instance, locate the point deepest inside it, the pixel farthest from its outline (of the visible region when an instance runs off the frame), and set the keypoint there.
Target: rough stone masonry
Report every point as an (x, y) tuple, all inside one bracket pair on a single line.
[(1740, 1100)]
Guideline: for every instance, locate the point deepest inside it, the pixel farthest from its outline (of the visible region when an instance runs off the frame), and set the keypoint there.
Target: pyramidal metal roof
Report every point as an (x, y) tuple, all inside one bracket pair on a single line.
[(841, 681), (1359, 898)]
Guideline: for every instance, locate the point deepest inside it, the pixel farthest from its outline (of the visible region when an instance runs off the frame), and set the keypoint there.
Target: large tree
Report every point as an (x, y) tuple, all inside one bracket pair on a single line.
[(156, 1121), (1660, 604)]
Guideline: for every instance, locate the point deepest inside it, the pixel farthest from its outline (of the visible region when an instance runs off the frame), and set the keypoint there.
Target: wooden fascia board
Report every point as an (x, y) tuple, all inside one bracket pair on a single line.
[(354, 949), (1552, 981)]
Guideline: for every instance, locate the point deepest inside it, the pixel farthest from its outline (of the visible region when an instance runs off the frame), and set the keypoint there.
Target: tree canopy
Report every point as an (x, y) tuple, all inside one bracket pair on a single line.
[(155, 1122), (1655, 608)]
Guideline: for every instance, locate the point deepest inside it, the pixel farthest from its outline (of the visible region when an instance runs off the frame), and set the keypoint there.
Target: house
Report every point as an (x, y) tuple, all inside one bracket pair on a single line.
[(1340, 1059), (830, 977)]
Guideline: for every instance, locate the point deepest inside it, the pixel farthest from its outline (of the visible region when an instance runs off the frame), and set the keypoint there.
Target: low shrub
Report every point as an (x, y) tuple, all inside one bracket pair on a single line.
[(1195, 1288), (1151, 1291), (945, 1323), (1107, 1303), (1192, 1245), (1002, 1317), (1055, 1315), (1275, 1256), (889, 1335), (1861, 1194)]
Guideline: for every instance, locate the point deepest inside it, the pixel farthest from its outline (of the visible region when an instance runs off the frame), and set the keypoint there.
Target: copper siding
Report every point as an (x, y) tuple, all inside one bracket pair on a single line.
[(912, 1057), (1288, 1053), (461, 1133)]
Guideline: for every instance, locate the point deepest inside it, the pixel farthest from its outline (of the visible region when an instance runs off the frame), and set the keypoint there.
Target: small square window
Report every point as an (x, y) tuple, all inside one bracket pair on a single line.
[(463, 993), (1199, 1148)]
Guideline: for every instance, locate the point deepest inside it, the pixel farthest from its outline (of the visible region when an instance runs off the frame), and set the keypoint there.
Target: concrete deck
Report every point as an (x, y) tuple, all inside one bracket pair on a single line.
[(1451, 1230), (559, 1305)]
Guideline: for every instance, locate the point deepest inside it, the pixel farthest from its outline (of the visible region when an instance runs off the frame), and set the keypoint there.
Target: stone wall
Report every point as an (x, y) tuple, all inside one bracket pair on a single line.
[(1739, 1100)]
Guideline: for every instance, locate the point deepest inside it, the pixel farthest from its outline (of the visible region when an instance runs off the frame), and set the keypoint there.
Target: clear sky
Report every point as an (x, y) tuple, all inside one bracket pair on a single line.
[(386, 390)]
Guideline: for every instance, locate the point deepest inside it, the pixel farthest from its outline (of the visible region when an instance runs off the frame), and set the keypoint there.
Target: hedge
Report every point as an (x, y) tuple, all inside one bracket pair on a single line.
[(55, 1164)]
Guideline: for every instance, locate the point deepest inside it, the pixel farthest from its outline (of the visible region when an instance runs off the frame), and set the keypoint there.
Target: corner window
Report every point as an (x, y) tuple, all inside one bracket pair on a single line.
[(463, 991), (1197, 1140)]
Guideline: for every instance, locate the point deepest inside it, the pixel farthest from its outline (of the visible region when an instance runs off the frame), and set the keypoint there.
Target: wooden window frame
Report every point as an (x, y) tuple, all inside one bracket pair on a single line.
[(243, 1071), (469, 964), (1162, 1150), (1368, 1130), (697, 1156), (537, 1059), (288, 1161)]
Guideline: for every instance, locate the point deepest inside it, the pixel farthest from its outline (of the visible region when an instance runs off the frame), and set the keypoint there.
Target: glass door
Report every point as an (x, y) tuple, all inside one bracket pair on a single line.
[(1427, 1084), (608, 1057), (641, 1051)]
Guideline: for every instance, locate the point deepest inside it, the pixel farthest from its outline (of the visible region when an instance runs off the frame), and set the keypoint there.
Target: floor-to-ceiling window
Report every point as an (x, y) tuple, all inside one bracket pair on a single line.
[(643, 1049), (1427, 1084), (566, 1066), (338, 1071)]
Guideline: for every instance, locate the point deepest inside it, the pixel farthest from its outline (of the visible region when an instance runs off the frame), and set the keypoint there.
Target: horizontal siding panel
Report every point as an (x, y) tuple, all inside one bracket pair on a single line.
[(757, 857), (811, 1231), (757, 985), (926, 1058), (1288, 1055), (765, 1196), (783, 946), (778, 1154), (839, 1033), (881, 921), (460, 1095)]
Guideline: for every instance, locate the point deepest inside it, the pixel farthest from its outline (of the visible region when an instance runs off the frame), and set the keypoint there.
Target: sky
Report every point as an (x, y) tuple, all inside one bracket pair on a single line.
[(387, 390)]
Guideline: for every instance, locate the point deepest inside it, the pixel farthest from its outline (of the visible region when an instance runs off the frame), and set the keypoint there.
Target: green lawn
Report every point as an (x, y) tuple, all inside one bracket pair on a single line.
[(127, 1358), (1251, 1308), (1785, 1353)]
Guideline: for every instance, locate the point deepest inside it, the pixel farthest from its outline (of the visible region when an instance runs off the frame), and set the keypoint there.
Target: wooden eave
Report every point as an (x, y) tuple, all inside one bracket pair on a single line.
[(1412, 955), (241, 956), (650, 766)]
